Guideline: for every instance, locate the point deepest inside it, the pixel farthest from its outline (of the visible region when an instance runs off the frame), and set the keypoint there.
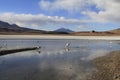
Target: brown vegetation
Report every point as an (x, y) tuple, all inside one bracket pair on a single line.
[(61, 33), (94, 34)]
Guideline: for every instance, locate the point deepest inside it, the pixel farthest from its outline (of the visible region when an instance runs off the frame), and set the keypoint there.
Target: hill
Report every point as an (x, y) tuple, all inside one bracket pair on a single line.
[(13, 28), (64, 30), (6, 28), (116, 31)]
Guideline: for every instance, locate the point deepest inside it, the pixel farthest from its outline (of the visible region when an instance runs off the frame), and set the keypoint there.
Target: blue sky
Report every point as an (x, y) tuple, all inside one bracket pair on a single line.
[(78, 15)]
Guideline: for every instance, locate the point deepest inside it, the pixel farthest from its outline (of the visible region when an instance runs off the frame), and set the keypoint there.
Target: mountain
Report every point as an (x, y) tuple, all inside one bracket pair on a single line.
[(13, 28), (6, 28), (64, 30)]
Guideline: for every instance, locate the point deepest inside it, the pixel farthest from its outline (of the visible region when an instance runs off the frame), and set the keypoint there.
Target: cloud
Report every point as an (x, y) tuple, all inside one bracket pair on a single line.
[(103, 11), (37, 21), (100, 11), (109, 11), (68, 5), (84, 28)]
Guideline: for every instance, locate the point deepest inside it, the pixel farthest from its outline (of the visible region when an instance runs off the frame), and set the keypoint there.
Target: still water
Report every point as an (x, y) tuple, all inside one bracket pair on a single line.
[(53, 61)]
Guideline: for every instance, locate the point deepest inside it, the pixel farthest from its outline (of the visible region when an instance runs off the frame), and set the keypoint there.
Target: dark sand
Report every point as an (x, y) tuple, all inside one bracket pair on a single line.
[(108, 67)]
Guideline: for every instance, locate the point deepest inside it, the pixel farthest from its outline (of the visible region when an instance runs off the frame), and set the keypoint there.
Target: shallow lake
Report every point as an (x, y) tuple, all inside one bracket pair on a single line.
[(53, 61)]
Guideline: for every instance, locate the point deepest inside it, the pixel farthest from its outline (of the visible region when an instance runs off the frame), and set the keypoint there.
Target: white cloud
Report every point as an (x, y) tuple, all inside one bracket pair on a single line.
[(108, 9), (69, 5), (37, 21), (84, 28)]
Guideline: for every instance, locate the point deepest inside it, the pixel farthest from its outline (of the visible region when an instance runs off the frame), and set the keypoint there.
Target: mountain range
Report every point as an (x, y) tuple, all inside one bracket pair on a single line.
[(6, 28)]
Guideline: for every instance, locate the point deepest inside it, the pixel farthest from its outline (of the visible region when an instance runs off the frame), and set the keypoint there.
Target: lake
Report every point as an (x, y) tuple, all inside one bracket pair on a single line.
[(53, 61)]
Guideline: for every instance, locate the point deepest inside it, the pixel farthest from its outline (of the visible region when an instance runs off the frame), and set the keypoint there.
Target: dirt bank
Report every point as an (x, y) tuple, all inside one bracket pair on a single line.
[(108, 67)]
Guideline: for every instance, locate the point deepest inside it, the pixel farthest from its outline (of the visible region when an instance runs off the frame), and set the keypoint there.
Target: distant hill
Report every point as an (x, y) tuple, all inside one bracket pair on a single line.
[(14, 29), (116, 31), (6, 28), (64, 30)]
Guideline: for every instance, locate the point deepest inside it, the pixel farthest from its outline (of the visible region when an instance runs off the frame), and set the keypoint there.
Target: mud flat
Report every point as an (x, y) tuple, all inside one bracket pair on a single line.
[(108, 67), (59, 37)]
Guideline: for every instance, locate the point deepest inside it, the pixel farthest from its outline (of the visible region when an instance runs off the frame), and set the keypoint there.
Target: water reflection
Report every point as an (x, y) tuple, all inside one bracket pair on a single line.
[(53, 61)]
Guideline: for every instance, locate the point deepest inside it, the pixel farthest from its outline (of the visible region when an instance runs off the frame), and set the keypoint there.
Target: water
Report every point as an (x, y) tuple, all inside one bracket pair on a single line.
[(53, 61)]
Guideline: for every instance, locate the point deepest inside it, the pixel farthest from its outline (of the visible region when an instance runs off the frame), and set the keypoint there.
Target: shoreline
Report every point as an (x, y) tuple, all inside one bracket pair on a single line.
[(59, 37), (107, 67)]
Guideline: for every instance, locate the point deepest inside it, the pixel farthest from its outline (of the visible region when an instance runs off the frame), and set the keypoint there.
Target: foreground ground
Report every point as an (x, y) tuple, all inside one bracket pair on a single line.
[(108, 67)]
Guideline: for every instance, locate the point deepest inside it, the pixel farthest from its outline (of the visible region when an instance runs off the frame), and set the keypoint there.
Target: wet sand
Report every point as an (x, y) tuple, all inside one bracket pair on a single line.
[(59, 37), (108, 67)]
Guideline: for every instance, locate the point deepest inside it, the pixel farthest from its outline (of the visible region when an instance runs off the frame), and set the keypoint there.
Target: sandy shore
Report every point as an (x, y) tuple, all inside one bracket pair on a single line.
[(108, 67), (59, 37)]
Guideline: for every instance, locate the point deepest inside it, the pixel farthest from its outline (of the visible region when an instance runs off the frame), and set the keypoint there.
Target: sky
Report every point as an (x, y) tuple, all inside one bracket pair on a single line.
[(77, 15)]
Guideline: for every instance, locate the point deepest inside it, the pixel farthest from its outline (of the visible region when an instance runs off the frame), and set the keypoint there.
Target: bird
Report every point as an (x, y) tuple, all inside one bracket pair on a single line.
[(38, 49), (67, 45)]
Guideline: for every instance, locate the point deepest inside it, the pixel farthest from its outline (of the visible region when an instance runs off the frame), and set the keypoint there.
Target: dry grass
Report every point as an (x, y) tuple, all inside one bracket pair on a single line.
[(70, 34)]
